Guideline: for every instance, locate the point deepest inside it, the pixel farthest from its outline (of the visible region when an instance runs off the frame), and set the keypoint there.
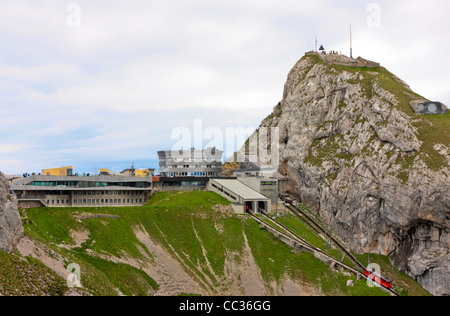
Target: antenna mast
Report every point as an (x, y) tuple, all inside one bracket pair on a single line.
[(316, 42), (351, 47), (132, 171)]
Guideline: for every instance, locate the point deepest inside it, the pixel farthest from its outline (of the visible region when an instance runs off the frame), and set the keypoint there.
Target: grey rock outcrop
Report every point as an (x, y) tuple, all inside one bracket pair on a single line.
[(11, 230), (378, 174)]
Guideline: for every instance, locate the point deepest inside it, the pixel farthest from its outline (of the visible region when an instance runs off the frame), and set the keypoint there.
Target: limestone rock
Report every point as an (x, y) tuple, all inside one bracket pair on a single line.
[(354, 151), (11, 230)]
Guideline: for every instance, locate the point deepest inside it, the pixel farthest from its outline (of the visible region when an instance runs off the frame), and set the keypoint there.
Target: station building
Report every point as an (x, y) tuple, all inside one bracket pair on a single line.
[(73, 191), (242, 197), (265, 181), (190, 163)]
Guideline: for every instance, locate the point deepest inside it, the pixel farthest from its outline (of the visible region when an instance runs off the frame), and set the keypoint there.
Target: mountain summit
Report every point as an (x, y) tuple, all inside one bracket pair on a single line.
[(356, 148)]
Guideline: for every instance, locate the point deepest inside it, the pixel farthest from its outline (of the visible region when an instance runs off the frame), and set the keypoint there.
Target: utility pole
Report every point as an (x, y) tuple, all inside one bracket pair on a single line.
[(276, 204), (260, 215), (393, 273), (285, 226), (329, 247)]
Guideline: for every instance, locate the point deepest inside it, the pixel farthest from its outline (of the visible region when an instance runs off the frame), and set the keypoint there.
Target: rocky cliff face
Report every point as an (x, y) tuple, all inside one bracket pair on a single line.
[(11, 230), (355, 151)]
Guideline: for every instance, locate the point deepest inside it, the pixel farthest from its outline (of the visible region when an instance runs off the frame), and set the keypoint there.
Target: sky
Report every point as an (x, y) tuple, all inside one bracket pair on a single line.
[(105, 83)]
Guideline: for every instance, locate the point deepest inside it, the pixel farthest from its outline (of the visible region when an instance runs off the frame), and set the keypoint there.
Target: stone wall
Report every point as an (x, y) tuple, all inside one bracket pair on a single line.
[(30, 204)]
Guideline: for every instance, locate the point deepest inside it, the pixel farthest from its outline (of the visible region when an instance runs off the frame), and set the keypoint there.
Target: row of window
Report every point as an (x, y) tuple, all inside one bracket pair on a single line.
[(191, 174), (185, 184), (107, 201), (191, 160), (223, 191), (268, 183), (191, 167), (57, 202), (96, 201), (107, 193), (89, 184), (231, 196)]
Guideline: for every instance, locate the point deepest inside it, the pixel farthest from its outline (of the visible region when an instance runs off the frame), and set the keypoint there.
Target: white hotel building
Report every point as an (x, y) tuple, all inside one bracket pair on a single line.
[(190, 163)]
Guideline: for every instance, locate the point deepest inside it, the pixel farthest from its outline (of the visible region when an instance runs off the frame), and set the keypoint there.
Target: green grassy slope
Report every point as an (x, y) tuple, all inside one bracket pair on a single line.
[(28, 277), (186, 225)]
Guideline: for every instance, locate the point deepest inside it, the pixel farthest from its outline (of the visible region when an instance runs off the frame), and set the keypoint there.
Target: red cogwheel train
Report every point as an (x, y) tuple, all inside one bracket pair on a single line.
[(378, 278)]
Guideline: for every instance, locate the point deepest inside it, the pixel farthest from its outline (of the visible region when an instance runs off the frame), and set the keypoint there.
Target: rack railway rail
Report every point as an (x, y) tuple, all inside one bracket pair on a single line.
[(298, 241), (301, 214)]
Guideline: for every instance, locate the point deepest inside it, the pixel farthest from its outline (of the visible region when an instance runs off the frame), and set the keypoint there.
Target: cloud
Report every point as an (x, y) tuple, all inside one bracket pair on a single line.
[(114, 88), (6, 149)]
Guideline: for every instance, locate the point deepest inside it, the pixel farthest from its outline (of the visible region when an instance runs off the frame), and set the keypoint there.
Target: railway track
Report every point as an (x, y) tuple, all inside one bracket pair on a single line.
[(287, 232), (290, 235), (321, 230)]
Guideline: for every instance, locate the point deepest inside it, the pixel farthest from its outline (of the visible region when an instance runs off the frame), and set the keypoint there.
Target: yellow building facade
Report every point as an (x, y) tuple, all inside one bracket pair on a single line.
[(144, 173), (58, 172)]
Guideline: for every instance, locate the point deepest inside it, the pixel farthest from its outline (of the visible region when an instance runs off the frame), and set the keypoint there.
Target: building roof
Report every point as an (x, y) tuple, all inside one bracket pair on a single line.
[(241, 189)]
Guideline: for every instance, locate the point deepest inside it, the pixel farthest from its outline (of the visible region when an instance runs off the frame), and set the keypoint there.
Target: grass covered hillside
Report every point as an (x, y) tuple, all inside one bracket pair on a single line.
[(186, 243)]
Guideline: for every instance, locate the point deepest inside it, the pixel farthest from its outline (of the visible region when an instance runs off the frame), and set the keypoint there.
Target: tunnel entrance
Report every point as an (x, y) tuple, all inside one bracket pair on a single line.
[(262, 206), (249, 206)]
